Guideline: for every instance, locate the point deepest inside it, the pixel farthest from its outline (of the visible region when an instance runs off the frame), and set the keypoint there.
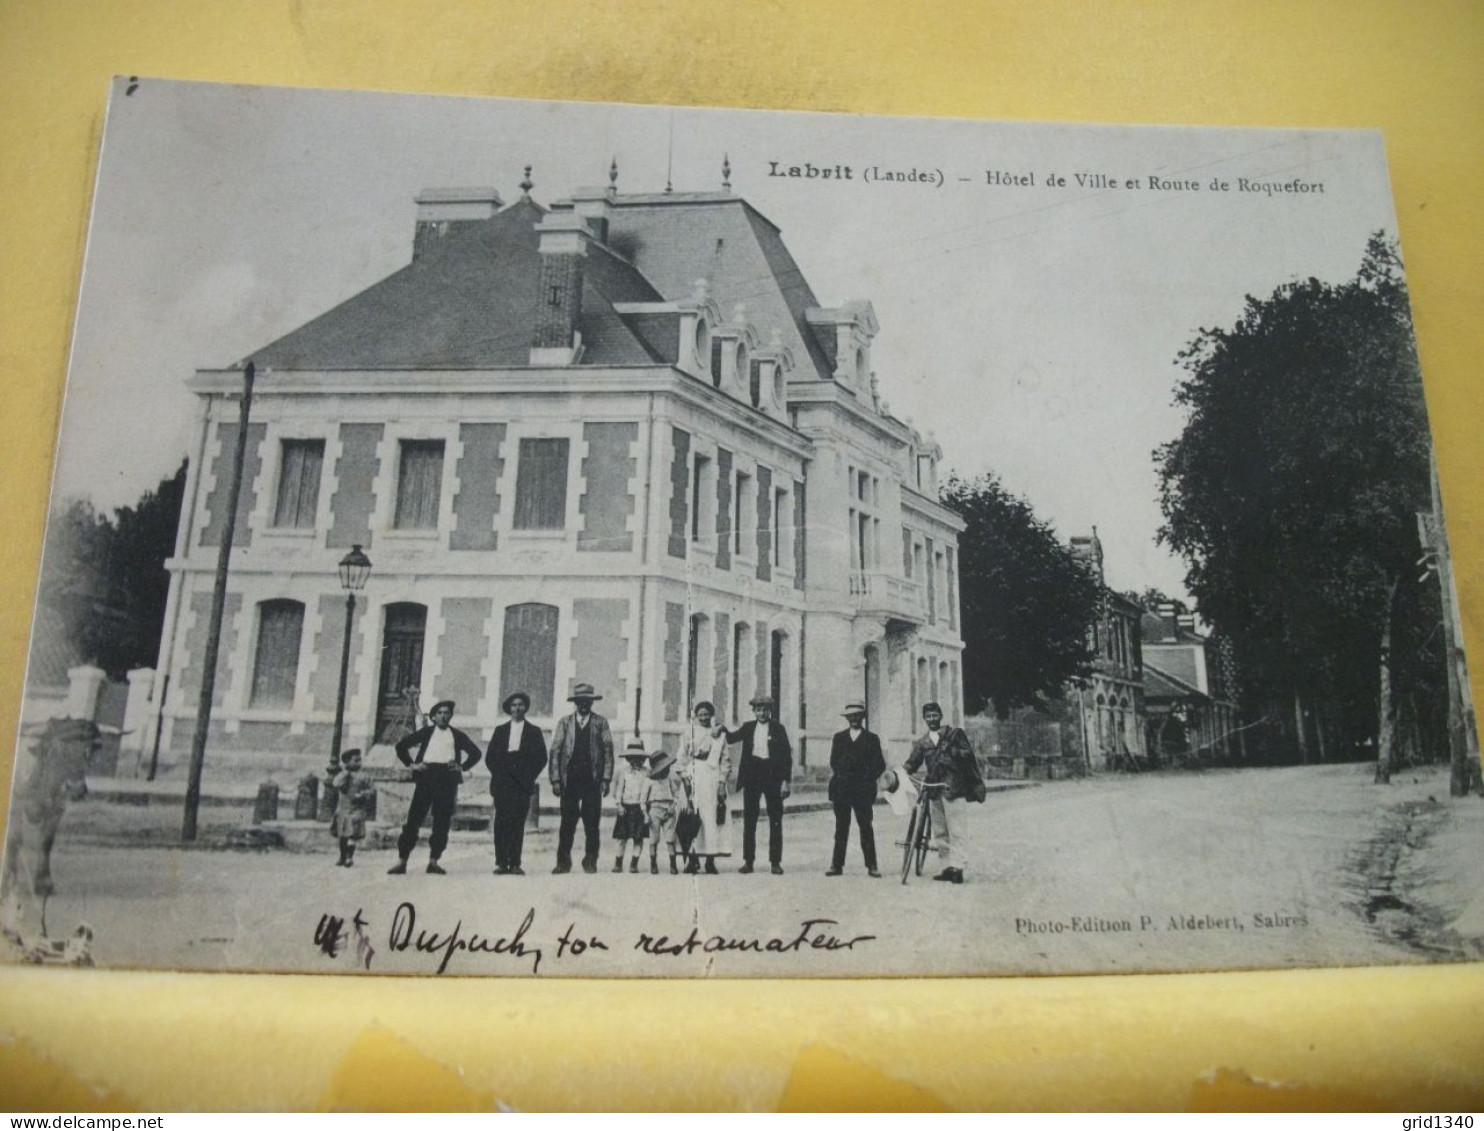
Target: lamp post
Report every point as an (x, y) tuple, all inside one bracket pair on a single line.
[(355, 568)]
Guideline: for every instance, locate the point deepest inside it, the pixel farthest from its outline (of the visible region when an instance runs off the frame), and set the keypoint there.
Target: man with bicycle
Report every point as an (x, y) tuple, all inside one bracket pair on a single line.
[(946, 757)]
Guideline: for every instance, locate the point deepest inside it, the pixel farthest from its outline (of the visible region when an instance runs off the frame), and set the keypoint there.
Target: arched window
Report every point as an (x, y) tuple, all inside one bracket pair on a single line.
[(528, 658), (742, 663), (276, 666)]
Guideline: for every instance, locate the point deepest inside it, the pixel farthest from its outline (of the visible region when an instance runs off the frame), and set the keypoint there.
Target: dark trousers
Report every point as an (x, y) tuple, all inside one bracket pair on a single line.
[(581, 797), (772, 793), (861, 807), (511, 809), (436, 788)]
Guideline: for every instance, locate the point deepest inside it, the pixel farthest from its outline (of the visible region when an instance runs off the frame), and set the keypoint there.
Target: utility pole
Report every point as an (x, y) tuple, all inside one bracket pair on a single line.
[(214, 625)]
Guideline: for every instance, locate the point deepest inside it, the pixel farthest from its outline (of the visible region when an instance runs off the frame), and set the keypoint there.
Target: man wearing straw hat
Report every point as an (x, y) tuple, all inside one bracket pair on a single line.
[(581, 770), (763, 774), (856, 762)]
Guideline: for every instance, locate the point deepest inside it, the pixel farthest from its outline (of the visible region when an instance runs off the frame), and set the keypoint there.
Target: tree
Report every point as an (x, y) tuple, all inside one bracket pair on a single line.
[(1292, 495), (1026, 602), (104, 580)]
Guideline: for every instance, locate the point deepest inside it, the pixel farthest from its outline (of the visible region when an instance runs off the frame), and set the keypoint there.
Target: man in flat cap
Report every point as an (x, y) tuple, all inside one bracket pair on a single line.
[(581, 770), (764, 773), (438, 755)]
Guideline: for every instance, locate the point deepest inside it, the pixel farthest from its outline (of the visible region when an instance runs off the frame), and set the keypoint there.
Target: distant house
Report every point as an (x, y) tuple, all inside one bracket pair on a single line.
[(616, 440), (1188, 693), (1111, 701)]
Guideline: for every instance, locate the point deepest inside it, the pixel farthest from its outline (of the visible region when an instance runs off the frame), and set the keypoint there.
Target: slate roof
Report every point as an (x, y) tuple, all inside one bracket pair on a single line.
[(1160, 685), (468, 298)]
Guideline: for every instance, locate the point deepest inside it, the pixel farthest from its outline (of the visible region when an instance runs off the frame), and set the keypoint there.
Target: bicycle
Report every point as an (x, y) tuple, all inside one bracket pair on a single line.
[(919, 829)]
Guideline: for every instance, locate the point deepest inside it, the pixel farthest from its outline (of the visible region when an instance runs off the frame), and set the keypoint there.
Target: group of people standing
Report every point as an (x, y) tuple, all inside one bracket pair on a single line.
[(679, 801)]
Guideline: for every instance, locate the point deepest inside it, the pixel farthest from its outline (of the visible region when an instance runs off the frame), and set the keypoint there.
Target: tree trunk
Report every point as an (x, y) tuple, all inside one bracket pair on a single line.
[(1386, 728), (1299, 729)]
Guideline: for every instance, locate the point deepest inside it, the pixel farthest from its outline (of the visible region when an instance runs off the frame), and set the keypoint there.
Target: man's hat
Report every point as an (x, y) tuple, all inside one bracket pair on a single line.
[(931, 706), (659, 762), (854, 708), (353, 752), (583, 691), (760, 701), (449, 703), (634, 748), (514, 695)]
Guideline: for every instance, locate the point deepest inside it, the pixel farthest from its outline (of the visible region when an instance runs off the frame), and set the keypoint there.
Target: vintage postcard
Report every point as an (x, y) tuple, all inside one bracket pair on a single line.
[(511, 538)]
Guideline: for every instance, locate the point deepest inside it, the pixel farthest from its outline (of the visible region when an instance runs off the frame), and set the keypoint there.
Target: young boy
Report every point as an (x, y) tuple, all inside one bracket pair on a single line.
[(633, 787), (664, 797)]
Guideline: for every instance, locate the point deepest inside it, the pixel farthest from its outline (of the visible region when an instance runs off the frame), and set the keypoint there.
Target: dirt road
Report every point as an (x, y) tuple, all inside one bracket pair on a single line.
[(1213, 870)]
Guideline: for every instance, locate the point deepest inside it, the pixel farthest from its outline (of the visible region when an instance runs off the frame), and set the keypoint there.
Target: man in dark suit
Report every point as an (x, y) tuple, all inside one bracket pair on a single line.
[(516, 757), (764, 773), (856, 762), (438, 755)]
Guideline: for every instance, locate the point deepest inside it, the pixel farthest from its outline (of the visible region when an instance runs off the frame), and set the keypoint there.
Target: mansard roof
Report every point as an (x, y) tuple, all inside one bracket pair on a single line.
[(468, 298)]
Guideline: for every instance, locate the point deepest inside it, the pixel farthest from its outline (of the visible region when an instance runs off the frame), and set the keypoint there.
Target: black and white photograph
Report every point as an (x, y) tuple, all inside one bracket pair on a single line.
[(499, 538)]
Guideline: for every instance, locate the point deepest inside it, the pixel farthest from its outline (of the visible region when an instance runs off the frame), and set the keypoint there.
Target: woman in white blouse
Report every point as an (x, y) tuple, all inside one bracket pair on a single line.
[(705, 764)]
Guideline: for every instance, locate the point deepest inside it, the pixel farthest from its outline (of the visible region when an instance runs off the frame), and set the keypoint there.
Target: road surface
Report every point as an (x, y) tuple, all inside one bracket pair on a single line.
[(1213, 870)]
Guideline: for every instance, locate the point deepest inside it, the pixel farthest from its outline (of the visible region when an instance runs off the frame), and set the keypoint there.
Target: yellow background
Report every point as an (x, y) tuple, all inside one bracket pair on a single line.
[(1396, 1038)]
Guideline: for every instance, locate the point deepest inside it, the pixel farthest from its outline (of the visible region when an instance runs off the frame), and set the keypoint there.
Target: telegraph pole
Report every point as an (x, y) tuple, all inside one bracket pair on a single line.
[(214, 626)]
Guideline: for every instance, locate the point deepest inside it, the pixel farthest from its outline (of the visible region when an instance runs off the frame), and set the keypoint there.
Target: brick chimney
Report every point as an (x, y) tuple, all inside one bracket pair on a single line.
[(563, 241)]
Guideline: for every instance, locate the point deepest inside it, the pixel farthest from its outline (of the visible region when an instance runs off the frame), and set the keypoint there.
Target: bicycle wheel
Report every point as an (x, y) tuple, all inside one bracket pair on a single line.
[(924, 838), (911, 844)]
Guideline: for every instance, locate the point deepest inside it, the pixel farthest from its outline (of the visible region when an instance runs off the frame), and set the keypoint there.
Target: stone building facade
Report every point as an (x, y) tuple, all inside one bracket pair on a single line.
[(616, 440), (1110, 702)]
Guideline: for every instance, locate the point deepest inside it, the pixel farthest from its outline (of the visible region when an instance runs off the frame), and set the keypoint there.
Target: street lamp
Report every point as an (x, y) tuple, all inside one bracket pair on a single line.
[(355, 568)]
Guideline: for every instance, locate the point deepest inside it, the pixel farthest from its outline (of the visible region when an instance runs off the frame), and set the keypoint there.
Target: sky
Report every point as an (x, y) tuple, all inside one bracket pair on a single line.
[(1031, 328)]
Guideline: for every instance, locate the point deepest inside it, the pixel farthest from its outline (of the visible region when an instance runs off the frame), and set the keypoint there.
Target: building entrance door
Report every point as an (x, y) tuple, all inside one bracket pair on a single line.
[(401, 671)]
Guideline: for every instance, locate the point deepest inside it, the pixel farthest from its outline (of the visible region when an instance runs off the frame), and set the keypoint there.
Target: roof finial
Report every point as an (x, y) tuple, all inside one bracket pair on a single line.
[(726, 172), (613, 172), (526, 185), (670, 158)]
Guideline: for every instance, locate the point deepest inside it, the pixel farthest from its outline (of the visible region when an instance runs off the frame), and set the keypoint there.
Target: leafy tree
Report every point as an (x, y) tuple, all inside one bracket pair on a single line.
[(1292, 495), (1026, 602), (104, 581)]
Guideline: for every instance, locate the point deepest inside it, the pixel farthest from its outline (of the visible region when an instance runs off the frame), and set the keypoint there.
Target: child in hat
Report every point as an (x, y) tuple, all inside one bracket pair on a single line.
[(664, 797), (633, 784), (357, 803)]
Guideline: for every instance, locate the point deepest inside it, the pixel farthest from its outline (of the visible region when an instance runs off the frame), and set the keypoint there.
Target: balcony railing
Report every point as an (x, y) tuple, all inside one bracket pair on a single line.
[(880, 593)]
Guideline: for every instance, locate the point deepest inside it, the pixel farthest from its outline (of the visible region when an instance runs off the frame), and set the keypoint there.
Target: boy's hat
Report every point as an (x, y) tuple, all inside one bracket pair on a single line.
[(659, 762), (761, 701), (854, 708), (353, 752), (449, 703), (512, 697), (634, 748)]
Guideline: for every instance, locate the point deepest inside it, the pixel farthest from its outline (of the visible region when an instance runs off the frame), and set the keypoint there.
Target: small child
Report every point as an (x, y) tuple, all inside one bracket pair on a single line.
[(632, 784), (357, 799), (664, 796)]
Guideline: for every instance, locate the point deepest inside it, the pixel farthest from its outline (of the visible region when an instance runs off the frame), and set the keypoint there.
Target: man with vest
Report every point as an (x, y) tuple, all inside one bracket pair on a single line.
[(581, 770), (438, 755), (764, 774)]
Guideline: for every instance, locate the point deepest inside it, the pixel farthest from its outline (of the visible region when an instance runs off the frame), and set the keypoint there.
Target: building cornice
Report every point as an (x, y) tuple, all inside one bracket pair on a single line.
[(516, 380)]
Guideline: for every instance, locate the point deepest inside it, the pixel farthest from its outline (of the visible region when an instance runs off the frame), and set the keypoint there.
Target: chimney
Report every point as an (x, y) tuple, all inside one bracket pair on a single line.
[(563, 239), (437, 208), (1185, 621), (595, 206), (1167, 614)]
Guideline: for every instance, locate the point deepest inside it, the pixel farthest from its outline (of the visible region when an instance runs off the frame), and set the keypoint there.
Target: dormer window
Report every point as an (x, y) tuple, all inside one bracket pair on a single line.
[(862, 368), (716, 356), (703, 343)]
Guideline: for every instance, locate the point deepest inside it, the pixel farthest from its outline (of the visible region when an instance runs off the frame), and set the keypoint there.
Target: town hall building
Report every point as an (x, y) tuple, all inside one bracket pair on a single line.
[(616, 440)]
